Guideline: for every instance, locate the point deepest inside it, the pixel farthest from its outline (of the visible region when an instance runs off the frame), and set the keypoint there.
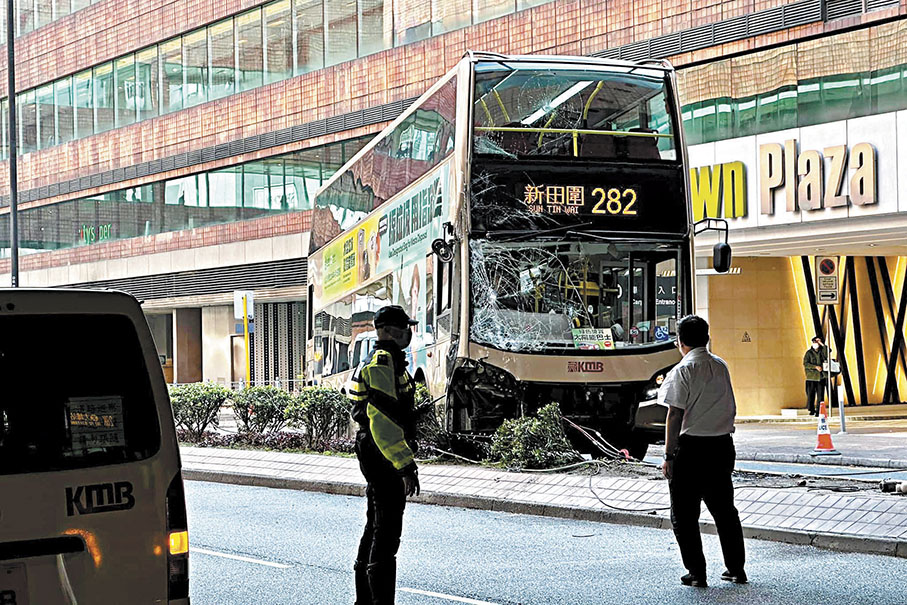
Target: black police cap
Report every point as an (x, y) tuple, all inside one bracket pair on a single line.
[(393, 315)]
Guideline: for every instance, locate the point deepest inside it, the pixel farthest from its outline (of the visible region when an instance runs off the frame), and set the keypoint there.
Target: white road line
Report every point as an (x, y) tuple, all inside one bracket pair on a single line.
[(213, 553), (439, 595)]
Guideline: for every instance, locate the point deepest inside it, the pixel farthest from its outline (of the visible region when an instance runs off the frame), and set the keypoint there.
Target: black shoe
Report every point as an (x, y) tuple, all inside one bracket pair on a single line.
[(695, 581), (736, 578)]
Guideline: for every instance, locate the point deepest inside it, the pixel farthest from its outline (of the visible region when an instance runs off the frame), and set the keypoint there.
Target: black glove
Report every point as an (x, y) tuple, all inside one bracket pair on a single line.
[(411, 483)]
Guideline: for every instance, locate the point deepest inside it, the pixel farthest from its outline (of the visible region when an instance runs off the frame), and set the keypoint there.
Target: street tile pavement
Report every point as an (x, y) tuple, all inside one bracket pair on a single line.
[(878, 516)]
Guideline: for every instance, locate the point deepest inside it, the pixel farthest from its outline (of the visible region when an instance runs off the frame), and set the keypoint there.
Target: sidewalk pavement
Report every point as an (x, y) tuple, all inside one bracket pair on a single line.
[(872, 443), (870, 522)]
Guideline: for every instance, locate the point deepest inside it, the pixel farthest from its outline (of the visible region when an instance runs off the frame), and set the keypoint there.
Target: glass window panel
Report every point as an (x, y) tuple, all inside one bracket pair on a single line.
[(195, 68), (301, 181), (225, 194), (249, 49), (47, 132), (375, 32), (277, 195), (521, 4), (146, 78), (28, 122), (103, 97), (43, 12), (25, 13), (65, 116), (4, 129), (279, 36), (448, 15), (172, 76), (126, 90), (340, 43), (3, 25), (491, 9), (223, 59), (834, 78), (61, 8), (309, 16), (412, 21), (82, 83), (78, 5), (889, 61), (256, 201)]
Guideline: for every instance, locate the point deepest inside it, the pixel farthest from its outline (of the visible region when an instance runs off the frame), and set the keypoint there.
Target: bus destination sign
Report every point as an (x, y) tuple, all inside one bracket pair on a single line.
[(581, 199)]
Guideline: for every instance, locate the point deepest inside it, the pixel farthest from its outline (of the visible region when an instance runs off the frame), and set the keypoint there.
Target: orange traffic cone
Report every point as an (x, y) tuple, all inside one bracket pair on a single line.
[(824, 447)]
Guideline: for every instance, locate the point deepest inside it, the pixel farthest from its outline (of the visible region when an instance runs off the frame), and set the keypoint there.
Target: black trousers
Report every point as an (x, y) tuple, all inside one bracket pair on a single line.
[(815, 390), (702, 472), (376, 561)]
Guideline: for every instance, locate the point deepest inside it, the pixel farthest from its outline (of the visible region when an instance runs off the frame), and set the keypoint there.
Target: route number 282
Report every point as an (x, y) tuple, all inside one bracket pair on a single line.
[(614, 201)]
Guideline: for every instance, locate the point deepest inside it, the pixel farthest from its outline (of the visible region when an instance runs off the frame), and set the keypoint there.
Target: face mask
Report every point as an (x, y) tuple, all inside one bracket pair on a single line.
[(816, 346), (404, 338)]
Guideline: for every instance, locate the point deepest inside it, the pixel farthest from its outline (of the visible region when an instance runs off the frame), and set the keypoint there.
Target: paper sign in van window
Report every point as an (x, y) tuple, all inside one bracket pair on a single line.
[(95, 422)]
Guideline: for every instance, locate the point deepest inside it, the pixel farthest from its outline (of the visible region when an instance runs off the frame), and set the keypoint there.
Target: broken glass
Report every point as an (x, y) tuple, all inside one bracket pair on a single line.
[(537, 295)]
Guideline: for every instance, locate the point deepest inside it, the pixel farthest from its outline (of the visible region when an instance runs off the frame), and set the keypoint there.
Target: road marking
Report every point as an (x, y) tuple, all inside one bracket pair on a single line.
[(213, 553), (440, 595)]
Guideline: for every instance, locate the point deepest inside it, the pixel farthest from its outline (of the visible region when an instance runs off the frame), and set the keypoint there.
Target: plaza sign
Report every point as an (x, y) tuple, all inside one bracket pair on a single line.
[(719, 191)]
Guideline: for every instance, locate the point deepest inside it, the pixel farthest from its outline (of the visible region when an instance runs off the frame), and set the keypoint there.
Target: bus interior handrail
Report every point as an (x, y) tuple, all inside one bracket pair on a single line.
[(620, 133)]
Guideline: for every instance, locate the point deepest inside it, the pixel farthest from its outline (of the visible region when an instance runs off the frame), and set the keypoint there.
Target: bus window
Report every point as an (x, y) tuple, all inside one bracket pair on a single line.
[(612, 113), (76, 394), (556, 295)]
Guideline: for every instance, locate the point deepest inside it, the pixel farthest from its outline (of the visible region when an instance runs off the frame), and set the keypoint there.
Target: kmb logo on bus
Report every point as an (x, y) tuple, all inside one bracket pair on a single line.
[(585, 366), (100, 498)]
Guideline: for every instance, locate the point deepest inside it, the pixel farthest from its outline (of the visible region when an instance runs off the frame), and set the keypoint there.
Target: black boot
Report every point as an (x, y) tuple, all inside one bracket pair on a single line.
[(363, 592), (382, 580)]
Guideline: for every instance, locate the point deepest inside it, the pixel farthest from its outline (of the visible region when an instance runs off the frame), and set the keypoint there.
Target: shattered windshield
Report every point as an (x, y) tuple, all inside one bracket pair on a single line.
[(618, 113), (531, 296)]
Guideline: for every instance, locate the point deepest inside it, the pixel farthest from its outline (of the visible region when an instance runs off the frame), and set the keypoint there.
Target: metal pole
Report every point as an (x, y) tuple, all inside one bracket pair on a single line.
[(245, 329), (13, 176), (840, 403)]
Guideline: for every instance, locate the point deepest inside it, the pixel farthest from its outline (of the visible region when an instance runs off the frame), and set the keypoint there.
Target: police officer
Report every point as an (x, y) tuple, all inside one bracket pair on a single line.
[(383, 397)]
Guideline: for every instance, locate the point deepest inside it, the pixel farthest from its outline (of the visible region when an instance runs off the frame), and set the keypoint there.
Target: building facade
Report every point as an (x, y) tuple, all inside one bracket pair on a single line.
[(172, 150)]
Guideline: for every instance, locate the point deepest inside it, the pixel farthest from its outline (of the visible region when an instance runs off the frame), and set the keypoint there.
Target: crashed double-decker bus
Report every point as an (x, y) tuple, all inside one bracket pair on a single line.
[(531, 212)]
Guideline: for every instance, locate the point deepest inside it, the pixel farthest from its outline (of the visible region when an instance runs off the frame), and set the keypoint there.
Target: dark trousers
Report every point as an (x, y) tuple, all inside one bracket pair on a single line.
[(376, 561), (815, 390), (702, 472)]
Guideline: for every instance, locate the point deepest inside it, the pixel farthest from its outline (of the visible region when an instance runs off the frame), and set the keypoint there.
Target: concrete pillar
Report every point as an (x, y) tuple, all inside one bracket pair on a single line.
[(217, 326), (187, 350)]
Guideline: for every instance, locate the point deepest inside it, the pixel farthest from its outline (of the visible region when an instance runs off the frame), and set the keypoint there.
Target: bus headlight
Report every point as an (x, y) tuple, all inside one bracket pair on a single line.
[(651, 390)]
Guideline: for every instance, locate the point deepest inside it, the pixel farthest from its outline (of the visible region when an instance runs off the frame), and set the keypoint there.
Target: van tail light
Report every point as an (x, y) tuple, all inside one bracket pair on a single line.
[(178, 532)]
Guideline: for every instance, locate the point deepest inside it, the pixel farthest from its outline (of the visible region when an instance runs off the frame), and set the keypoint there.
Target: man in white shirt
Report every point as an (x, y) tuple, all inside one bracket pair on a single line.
[(699, 452)]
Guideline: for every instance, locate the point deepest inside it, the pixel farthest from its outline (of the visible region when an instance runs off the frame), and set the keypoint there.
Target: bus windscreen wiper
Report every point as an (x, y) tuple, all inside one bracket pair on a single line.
[(525, 234)]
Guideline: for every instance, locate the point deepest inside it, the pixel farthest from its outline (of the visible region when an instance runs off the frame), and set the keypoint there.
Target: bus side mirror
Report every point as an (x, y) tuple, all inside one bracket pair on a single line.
[(721, 257), (443, 250), (721, 253)]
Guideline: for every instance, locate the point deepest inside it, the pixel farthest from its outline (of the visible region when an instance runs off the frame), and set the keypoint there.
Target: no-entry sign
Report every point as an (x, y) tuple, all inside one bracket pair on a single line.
[(827, 280)]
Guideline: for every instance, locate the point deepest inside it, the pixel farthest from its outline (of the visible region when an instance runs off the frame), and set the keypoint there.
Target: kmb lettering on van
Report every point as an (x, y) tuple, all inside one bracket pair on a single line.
[(100, 498)]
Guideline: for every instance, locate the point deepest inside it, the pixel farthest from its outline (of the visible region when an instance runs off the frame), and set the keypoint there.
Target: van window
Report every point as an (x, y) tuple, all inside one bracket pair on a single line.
[(74, 393)]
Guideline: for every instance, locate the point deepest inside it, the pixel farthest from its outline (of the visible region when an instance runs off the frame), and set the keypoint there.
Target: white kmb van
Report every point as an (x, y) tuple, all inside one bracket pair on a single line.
[(92, 509)]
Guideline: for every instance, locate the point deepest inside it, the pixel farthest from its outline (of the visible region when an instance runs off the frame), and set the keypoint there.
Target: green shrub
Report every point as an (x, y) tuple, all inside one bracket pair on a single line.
[(533, 442), (429, 431), (323, 413), (261, 409), (196, 405)]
